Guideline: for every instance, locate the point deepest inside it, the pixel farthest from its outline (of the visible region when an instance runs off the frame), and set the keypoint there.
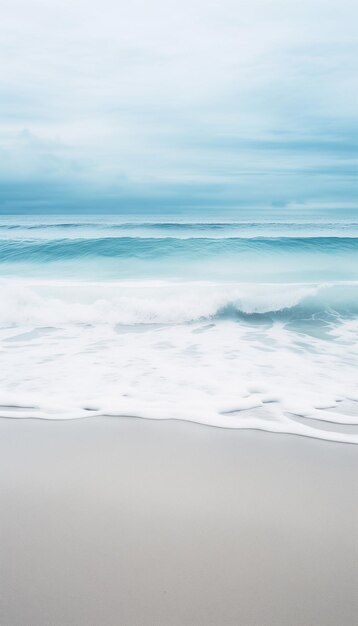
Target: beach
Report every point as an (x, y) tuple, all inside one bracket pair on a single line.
[(178, 313), (125, 521)]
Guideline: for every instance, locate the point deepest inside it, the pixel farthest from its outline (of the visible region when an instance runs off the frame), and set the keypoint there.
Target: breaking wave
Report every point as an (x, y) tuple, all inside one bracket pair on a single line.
[(148, 302), (237, 325)]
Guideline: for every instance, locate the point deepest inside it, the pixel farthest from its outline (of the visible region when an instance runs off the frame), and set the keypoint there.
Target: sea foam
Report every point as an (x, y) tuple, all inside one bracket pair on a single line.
[(271, 357)]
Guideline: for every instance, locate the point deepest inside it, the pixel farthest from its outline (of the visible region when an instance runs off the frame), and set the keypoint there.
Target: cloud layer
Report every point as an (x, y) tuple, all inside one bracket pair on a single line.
[(112, 105)]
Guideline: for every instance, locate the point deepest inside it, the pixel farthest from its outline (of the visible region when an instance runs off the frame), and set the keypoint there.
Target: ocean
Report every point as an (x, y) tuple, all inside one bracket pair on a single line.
[(235, 323)]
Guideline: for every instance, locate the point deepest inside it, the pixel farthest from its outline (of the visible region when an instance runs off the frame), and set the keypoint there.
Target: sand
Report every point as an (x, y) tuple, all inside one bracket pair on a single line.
[(126, 522)]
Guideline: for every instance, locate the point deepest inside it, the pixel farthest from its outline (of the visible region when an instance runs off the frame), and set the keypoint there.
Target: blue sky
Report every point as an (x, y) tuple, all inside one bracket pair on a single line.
[(131, 106)]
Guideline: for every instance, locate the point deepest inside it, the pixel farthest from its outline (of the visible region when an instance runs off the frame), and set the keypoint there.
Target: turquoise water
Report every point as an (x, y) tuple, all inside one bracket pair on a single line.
[(239, 251), (237, 323)]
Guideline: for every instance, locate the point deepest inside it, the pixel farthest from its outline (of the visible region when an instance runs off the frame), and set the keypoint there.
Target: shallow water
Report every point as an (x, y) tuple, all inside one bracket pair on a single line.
[(250, 324)]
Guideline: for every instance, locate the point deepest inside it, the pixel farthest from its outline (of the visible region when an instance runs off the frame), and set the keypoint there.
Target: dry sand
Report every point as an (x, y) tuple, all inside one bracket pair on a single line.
[(132, 522)]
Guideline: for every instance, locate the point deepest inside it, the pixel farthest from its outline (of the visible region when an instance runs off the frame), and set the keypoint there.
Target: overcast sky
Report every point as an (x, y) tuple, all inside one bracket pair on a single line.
[(128, 104)]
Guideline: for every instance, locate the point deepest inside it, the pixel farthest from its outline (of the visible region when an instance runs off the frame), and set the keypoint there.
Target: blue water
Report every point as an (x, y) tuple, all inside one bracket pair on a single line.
[(112, 248), (237, 251), (245, 323)]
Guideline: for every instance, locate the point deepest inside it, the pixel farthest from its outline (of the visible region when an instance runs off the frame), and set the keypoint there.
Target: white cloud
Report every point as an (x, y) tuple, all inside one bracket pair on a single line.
[(144, 90)]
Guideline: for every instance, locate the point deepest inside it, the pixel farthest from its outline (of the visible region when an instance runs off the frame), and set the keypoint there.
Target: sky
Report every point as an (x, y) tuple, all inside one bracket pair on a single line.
[(131, 106)]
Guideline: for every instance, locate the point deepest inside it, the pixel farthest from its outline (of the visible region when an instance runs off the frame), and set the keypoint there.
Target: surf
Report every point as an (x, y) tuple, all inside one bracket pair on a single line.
[(229, 324)]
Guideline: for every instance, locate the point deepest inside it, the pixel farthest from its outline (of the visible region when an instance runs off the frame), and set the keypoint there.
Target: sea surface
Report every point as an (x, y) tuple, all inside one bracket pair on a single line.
[(236, 323)]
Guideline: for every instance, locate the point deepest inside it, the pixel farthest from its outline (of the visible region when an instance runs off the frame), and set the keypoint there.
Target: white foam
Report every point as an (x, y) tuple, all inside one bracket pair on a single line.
[(64, 356), (137, 302)]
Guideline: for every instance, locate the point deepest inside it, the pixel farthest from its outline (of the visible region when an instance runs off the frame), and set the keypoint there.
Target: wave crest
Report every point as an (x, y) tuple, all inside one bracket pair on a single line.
[(147, 302)]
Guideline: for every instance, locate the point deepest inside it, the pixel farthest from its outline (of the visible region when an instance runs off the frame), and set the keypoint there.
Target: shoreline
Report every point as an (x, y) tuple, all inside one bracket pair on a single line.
[(318, 426), (161, 522)]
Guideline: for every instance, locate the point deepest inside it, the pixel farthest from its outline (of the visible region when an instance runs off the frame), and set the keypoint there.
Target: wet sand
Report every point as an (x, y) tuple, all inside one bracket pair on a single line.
[(128, 522)]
